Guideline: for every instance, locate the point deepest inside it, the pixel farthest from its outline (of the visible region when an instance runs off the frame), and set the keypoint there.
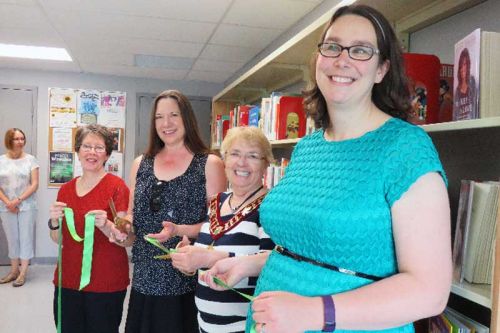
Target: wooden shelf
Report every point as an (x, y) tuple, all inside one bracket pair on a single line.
[(463, 125), (477, 293)]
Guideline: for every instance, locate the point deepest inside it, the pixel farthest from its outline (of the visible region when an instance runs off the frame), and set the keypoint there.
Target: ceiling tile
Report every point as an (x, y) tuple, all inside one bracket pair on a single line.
[(230, 34), (73, 24), (132, 71), (25, 36), (278, 14), (217, 77), (43, 65), (228, 53), (217, 66), (189, 10), (15, 16)]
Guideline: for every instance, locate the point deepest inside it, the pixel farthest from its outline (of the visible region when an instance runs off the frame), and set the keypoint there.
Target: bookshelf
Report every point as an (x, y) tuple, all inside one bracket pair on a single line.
[(468, 149)]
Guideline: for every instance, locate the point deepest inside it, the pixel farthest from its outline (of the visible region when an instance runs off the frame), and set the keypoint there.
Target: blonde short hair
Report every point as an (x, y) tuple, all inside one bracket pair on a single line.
[(250, 134)]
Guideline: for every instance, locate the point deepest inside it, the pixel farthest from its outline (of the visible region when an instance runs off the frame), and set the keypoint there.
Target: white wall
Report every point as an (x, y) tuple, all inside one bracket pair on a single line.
[(440, 38), (45, 248)]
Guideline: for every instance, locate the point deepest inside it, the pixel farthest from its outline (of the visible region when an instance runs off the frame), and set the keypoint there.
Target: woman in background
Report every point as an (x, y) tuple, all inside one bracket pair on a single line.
[(361, 218), (19, 174), (232, 229), (170, 186), (95, 307)]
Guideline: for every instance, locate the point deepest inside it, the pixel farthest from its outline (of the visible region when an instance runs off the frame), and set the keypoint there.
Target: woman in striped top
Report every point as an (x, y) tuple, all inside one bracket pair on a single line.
[(232, 229)]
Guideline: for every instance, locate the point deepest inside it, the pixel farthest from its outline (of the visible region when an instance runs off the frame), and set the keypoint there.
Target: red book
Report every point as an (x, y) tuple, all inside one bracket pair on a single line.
[(243, 113), (423, 76), (291, 118), (446, 93)]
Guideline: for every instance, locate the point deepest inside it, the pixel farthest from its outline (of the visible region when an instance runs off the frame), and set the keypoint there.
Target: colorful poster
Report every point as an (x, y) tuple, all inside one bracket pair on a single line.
[(114, 164), (89, 102), (60, 167), (62, 106), (117, 139), (112, 113), (62, 139)]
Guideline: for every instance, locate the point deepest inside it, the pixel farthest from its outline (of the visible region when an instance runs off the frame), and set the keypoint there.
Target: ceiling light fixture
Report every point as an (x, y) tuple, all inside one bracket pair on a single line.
[(34, 52)]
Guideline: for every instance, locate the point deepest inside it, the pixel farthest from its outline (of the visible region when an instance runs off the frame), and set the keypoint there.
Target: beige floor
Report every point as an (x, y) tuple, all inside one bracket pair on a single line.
[(28, 309)]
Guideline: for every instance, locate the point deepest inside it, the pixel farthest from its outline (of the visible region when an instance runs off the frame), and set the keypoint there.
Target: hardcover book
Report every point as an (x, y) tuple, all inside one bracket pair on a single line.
[(445, 93), (291, 118), (466, 84), (423, 76)]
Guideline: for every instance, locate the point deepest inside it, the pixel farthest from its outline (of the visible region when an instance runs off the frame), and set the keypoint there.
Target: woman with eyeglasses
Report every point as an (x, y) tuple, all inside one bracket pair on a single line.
[(95, 276), (231, 230), (18, 182), (361, 218), (170, 186)]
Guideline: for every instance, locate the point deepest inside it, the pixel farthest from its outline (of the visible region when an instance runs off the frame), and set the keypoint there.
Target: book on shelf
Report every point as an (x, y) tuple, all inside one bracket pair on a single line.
[(489, 96), (445, 93), (466, 84), (462, 228), (452, 321), (423, 79), (253, 116), (478, 254), (291, 123)]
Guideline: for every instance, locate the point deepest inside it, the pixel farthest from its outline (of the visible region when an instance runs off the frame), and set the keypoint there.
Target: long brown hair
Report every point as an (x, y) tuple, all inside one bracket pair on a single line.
[(192, 138), (391, 95)]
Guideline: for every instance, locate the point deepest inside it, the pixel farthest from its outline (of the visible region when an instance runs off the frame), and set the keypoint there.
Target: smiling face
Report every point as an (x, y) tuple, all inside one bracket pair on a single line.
[(245, 166), (90, 159), (168, 122), (342, 80)]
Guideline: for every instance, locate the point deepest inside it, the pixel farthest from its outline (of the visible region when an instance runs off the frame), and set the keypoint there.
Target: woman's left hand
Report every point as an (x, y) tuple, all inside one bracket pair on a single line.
[(101, 217), (189, 258), (169, 230), (12, 205), (286, 312)]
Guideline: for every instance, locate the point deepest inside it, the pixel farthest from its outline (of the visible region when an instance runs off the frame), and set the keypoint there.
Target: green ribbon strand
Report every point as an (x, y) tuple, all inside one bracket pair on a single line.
[(70, 222), (88, 243), (156, 243), (59, 275), (88, 249), (221, 283)]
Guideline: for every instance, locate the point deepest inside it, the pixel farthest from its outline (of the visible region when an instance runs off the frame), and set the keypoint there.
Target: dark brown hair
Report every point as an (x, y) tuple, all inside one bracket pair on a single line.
[(464, 59), (99, 130), (192, 138), (391, 95), (9, 137)]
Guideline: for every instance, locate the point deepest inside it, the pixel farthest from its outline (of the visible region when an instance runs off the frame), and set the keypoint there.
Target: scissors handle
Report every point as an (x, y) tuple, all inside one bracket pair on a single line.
[(113, 209)]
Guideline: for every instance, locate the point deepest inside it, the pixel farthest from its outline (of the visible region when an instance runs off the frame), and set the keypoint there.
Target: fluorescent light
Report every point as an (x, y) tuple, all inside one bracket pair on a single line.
[(34, 52)]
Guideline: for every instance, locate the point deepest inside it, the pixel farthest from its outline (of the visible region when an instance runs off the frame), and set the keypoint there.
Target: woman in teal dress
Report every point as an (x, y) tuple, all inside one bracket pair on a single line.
[(361, 217)]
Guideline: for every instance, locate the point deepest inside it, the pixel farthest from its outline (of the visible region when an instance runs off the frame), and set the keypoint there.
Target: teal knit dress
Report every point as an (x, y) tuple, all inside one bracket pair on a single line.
[(334, 206)]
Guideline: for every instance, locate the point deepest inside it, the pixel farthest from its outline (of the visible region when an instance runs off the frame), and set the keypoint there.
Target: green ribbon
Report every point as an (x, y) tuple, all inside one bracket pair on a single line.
[(59, 275), (224, 285), (88, 243), (156, 243), (221, 283)]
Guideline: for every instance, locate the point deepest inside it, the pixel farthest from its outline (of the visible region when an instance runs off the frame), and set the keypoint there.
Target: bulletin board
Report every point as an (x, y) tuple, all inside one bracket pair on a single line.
[(72, 108)]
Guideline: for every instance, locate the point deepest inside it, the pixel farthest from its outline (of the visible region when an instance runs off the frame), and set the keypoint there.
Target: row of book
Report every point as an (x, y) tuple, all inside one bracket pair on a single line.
[(274, 173), (279, 116), (451, 321), (474, 241), (468, 89)]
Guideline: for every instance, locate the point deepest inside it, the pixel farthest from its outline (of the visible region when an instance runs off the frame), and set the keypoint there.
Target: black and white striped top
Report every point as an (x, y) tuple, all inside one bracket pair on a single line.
[(226, 311)]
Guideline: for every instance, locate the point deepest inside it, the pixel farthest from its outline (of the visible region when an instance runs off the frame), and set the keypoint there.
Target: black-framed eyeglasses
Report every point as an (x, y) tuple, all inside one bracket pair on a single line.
[(156, 198), (356, 52)]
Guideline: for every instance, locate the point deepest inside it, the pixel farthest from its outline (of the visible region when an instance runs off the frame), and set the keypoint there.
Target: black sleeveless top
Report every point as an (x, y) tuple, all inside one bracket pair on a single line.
[(183, 201)]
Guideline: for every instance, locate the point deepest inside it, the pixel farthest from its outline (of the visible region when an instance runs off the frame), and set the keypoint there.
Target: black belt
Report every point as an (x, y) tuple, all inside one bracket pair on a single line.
[(298, 257)]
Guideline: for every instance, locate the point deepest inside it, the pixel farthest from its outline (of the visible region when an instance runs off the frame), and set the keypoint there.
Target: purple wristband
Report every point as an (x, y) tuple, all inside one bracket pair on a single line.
[(329, 313)]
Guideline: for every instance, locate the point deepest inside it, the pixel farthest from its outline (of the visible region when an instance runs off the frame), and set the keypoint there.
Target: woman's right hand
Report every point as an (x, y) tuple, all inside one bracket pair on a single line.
[(230, 270), (57, 210), (169, 230)]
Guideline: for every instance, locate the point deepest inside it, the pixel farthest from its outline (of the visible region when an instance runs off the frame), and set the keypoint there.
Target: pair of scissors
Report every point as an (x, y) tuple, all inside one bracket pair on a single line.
[(120, 223)]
